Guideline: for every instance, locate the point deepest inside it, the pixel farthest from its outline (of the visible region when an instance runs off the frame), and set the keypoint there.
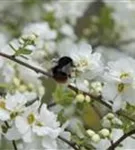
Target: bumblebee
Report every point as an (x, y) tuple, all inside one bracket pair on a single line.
[(61, 72)]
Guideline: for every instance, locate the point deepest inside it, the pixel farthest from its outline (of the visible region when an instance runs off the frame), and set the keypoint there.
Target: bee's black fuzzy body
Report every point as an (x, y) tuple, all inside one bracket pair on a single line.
[(62, 71)]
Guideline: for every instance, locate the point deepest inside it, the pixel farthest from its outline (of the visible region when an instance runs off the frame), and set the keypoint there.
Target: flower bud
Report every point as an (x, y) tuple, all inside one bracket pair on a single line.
[(86, 82), (22, 88), (41, 90), (110, 116), (95, 138), (80, 98), (90, 132), (104, 132), (87, 98), (16, 81), (116, 121), (30, 86), (106, 123)]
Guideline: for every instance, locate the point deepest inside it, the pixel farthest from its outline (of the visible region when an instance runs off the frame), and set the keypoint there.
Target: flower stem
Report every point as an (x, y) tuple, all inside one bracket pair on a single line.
[(14, 145)]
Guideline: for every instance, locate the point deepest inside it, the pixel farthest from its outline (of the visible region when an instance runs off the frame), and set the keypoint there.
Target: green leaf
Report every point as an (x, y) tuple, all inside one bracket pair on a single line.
[(4, 85), (23, 52), (63, 96), (12, 47), (61, 117)]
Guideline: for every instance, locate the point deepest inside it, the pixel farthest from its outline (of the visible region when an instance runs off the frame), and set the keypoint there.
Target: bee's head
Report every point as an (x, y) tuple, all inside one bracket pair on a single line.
[(65, 60)]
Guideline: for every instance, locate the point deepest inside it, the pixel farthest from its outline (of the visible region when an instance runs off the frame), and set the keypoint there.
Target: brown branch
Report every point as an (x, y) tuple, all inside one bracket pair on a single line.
[(98, 99), (122, 138), (37, 70)]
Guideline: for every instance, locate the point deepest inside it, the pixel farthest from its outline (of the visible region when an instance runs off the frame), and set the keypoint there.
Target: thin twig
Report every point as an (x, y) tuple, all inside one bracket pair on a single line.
[(51, 105), (31, 101), (37, 70), (73, 145), (14, 145), (122, 138)]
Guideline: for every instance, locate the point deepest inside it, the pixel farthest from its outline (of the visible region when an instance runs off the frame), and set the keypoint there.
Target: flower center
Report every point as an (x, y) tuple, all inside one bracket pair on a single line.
[(39, 124), (121, 87), (31, 118), (124, 75), (83, 62), (2, 104), (13, 115)]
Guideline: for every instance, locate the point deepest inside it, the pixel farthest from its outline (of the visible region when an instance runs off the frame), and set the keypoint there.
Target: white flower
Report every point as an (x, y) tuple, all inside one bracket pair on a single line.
[(61, 10), (2, 62), (90, 132), (128, 143), (120, 86), (88, 64), (3, 39), (13, 134), (12, 106), (30, 77), (96, 88), (8, 72), (4, 114), (15, 102), (105, 132), (64, 46), (41, 29), (42, 125), (45, 114), (116, 121), (3, 42), (116, 134), (75, 126), (106, 122), (81, 85), (95, 138), (103, 144), (27, 120), (67, 30), (50, 47)]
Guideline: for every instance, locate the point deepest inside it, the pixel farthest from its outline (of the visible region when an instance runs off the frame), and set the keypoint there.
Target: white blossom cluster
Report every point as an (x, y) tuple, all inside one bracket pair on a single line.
[(110, 133), (38, 129), (105, 77)]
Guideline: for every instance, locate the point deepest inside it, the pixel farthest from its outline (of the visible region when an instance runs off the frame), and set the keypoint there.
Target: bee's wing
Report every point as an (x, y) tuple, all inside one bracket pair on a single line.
[(67, 69)]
